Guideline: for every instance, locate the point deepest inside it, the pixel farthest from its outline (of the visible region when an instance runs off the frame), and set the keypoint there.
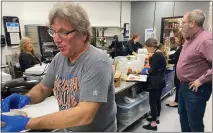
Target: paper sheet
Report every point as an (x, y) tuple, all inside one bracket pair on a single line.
[(12, 27), (150, 33), (139, 78), (14, 37)]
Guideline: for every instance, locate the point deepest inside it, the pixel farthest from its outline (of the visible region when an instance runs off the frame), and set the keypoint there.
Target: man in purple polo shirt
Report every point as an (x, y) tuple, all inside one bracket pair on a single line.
[(194, 69)]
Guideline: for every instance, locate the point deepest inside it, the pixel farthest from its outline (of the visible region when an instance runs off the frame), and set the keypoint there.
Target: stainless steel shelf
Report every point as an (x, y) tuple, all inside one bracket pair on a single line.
[(122, 127)]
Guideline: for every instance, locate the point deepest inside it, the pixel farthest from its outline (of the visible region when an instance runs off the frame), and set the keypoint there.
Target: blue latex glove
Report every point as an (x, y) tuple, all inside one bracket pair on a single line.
[(144, 70), (14, 101), (14, 123)]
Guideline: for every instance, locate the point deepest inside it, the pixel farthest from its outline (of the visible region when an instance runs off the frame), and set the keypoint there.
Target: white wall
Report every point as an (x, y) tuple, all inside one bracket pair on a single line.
[(126, 13), (100, 14)]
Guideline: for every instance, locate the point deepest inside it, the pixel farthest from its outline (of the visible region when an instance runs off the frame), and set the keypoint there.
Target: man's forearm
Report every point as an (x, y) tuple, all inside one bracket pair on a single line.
[(63, 119), (207, 77), (38, 93)]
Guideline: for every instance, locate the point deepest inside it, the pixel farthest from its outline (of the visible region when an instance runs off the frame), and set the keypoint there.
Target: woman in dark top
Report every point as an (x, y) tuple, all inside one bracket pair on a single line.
[(173, 59), (117, 47), (156, 80), (27, 56), (133, 45)]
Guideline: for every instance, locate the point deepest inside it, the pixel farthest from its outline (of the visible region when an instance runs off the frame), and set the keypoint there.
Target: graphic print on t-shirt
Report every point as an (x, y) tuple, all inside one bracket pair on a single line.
[(66, 90)]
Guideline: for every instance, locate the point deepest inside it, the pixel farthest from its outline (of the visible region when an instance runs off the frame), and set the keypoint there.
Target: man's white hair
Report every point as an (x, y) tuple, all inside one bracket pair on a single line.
[(198, 16), (74, 14)]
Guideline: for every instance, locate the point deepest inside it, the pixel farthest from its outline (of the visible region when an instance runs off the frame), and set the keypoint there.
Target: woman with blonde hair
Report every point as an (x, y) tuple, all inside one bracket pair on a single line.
[(27, 56)]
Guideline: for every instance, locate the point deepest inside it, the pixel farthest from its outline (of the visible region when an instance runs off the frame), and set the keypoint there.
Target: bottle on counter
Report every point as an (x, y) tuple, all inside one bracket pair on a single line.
[(171, 34)]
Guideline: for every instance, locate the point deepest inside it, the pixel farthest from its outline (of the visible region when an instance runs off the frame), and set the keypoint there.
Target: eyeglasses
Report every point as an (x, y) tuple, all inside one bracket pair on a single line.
[(61, 34), (185, 22)]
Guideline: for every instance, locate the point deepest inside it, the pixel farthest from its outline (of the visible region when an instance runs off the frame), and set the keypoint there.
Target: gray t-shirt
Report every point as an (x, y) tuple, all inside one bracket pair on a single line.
[(90, 78)]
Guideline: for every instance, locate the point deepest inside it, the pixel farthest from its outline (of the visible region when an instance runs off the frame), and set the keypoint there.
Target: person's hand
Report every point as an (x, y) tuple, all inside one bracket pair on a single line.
[(144, 71), (14, 123), (147, 65), (177, 41), (134, 53), (150, 55), (14, 101), (195, 85)]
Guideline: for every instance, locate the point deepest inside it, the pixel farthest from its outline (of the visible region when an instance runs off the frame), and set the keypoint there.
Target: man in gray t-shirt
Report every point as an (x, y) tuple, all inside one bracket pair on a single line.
[(80, 76), (90, 78)]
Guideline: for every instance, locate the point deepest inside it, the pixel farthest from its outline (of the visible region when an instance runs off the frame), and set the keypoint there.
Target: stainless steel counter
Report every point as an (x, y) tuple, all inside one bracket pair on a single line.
[(124, 85)]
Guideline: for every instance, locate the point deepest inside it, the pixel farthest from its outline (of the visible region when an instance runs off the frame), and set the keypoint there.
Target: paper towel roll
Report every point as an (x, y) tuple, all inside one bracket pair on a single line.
[(141, 59), (142, 51)]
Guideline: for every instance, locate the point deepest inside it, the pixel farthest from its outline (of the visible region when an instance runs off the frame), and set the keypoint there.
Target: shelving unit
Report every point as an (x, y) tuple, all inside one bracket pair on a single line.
[(122, 127), (100, 31), (169, 25), (42, 41)]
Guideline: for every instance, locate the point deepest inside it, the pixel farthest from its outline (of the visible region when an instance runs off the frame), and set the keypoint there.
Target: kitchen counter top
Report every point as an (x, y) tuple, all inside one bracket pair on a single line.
[(5, 77), (124, 85), (49, 105)]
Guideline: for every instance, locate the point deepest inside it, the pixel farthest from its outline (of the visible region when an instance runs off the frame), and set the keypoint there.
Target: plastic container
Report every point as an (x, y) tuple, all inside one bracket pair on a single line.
[(141, 60), (142, 51), (128, 112)]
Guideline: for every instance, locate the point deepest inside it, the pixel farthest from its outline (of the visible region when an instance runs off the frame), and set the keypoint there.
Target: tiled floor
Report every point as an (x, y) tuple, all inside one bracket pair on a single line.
[(169, 119)]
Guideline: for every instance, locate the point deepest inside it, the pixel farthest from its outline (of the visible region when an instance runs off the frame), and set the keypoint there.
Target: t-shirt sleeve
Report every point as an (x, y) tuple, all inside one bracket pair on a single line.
[(95, 82), (49, 77)]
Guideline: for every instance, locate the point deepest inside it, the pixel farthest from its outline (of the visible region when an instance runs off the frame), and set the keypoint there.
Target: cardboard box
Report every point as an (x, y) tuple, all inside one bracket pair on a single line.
[(117, 79)]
